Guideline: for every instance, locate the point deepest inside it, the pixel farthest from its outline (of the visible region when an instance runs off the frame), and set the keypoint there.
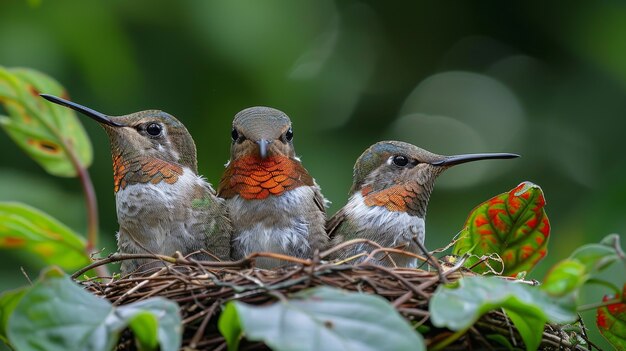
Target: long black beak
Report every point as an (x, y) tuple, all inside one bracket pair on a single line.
[(97, 116), (263, 143), (458, 159)]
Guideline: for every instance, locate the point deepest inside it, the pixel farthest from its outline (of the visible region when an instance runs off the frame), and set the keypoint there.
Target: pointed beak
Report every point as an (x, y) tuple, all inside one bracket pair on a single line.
[(458, 159), (263, 143), (97, 116)]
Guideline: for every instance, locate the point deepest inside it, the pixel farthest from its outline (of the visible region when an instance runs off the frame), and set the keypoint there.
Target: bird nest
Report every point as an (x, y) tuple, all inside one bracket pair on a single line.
[(201, 288)]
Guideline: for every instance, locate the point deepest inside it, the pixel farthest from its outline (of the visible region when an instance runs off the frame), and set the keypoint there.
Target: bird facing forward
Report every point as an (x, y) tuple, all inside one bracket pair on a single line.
[(273, 201)]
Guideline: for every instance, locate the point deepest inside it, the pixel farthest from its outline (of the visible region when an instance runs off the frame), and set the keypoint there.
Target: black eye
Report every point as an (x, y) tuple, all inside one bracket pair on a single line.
[(234, 134), (289, 135), (154, 129), (400, 160)]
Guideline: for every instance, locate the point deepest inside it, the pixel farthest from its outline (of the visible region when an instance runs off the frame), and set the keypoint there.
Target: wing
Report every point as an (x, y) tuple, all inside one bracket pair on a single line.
[(334, 223), (211, 222)]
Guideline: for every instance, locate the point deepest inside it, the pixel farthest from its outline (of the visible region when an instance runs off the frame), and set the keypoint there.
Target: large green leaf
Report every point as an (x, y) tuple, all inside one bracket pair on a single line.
[(513, 225), (611, 321), (325, 319), (459, 306), (56, 314), (23, 227), (45, 131)]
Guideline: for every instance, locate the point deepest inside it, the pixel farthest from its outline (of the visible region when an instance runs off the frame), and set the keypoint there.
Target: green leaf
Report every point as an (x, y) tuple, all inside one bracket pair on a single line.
[(8, 301), (165, 329), (611, 321), (530, 327), (145, 327), (46, 132), (513, 225), (566, 277), (25, 228), (57, 314), (328, 319), (230, 327), (596, 257), (459, 307)]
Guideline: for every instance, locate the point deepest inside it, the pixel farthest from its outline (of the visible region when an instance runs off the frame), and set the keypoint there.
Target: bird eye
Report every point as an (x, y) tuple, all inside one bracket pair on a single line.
[(289, 135), (154, 129), (234, 134), (400, 160)]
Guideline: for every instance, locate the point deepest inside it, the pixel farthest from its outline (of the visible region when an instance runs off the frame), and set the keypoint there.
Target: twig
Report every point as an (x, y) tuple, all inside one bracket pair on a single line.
[(433, 262), (196, 337), (30, 282)]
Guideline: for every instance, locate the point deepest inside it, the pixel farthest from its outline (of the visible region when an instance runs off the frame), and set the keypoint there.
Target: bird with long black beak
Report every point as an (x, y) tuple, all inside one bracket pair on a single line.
[(274, 203), (392, 183), (163, 205)]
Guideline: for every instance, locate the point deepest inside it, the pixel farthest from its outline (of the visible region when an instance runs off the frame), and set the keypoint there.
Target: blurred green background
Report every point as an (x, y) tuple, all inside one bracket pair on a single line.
[(545, 80)]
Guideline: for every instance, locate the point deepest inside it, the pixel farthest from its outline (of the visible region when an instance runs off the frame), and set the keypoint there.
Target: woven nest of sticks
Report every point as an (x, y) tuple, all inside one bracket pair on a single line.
[(201, 288)]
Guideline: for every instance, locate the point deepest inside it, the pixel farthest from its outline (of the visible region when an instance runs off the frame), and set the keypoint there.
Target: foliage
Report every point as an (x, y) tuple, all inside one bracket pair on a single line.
[(611, 320), (458, 307), (29, 230), (57, 314), (514, 225), (49, 134), (53, 137), (321, 319)]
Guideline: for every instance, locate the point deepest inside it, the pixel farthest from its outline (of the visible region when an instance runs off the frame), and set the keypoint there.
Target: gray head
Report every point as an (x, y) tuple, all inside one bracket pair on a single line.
[(150, 133), (263, 132), (389, 163)]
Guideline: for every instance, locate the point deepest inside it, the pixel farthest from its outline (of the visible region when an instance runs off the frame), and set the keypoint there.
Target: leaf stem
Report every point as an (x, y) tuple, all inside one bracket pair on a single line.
[(593, 306)]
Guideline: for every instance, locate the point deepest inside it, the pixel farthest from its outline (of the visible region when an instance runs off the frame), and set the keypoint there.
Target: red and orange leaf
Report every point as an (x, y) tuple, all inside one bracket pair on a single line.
[(513, 225), (611, 321)]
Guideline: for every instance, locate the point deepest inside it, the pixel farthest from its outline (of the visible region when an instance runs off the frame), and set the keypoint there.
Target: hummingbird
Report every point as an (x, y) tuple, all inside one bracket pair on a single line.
[(163, 205), (392, 183), (274, 203)]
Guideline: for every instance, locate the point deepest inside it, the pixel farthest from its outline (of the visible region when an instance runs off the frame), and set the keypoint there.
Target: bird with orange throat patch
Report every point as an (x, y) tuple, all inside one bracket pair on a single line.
[(391, 188), (274, 203), (163, 205)]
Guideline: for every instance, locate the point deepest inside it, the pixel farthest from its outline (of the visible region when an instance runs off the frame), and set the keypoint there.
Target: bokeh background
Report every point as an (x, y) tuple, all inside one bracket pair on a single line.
[(546, 80)]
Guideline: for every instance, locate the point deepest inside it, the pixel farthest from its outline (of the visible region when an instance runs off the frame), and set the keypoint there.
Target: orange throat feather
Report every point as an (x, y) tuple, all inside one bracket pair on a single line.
[(396, 198), (149, 169), (254, 178)]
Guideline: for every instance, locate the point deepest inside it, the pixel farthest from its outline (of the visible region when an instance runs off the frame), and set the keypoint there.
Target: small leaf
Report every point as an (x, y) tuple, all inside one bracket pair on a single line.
[(166, 315), (56, 314), (513, 225), (145, 327), (529, 326), (8, 301), (46, 132), (459, 307), (566, 277), (611, 321), (23, 227), (328, 319), (229, 326), (597, 257)]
